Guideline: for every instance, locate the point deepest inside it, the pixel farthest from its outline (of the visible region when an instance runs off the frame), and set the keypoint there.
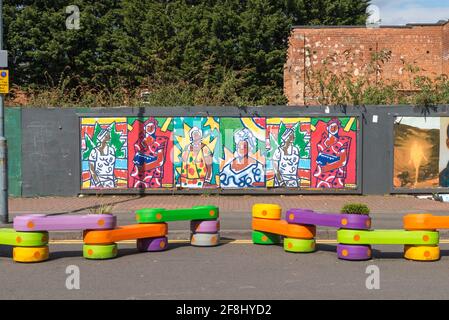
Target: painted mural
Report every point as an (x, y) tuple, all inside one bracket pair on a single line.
[(196, 152), (146, 153), (242, 163), (421, 152), (312, 152), (334, 152), (288, 152), (150, 143), (104, 153)]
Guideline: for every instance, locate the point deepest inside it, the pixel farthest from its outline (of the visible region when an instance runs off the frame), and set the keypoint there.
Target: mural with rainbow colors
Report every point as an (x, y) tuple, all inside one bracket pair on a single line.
[(145, 153)]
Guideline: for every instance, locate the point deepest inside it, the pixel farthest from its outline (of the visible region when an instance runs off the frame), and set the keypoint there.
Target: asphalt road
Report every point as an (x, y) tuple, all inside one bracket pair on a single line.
[(229, 271)]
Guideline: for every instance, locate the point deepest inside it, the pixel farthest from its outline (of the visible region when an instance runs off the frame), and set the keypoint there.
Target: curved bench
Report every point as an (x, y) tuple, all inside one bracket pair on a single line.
[(425, 222), (283, 228), (131, 232), (156, 215), (64, 222), (101, 244), (357, 237), (334, 220)]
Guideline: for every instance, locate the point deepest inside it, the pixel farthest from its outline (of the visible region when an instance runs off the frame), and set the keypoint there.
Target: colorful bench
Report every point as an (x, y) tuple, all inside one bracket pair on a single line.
[(30, 224), (424, 222), (204, 223), (419, 245), (38, 222), (334, 220), (268, 228), (354, 236), (102, 244)]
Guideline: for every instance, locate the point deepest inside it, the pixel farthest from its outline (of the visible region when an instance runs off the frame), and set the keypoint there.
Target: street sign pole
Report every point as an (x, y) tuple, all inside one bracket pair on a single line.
[(3, 148)]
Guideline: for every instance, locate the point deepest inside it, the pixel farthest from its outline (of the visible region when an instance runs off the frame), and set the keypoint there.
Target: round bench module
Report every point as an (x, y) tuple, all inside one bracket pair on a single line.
[(10, 237), (205, 239), (422, 253), (265, 238), (299, 245), (152, 244), (205, 226), (30, 254), (354, 252), (100, 252), (267, 211)]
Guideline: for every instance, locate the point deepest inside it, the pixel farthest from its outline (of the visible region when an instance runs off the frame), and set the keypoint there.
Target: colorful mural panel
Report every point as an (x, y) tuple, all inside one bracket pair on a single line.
[(421, 152), (145, 153), (334, 152), (196, 152), (242, 163), (104, 153), (150, 161), (288, 152)]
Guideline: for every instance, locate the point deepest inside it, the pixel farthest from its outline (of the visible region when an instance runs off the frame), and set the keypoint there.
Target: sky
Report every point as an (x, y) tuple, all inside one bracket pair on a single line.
[(400, 12)]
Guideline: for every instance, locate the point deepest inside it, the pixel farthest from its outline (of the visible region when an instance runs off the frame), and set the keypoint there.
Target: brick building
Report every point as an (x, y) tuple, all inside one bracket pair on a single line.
[(425, 46)]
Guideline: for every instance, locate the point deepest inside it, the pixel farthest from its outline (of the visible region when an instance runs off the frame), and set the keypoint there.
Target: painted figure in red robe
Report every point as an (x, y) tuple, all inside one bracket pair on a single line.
[(333, 154), (150, 152)]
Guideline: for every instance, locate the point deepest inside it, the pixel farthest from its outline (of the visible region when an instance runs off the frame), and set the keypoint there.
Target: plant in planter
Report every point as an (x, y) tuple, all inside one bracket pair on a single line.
[(355, 208), (102, 209)]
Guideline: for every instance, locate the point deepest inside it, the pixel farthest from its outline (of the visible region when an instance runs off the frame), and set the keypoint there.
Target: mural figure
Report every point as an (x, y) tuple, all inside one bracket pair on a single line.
[(104, 153), (243, 171), (101, 162), (444, 174), (333, 154), (288, 144), (286, 161), (197, 161), (150, 156)]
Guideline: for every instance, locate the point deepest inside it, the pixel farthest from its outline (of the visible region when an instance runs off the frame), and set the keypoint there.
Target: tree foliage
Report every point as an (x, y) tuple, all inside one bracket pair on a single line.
[(228, 48)]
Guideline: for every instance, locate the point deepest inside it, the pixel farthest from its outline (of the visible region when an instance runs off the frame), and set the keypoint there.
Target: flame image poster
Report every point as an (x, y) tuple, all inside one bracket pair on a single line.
[(421, 152)]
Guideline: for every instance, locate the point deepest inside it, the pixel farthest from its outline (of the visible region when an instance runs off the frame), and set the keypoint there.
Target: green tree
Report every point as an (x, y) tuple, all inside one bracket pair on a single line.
[(232, 50)]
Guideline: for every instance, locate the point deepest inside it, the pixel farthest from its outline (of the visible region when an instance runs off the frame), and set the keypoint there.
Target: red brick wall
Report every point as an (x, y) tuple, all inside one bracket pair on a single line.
[(446, 49), (426, 47)]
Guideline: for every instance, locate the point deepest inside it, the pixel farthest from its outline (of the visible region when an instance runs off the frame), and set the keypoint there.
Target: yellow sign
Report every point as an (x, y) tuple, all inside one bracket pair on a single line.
[(4, 81)]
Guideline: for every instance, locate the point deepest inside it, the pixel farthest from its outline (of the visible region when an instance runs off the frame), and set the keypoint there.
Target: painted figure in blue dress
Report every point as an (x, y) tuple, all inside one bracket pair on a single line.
[(243, 171)]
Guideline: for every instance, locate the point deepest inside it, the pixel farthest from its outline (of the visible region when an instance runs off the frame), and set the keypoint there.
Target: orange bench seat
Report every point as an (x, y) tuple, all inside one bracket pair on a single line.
[(283, 228), (131, 232), (425, 222)]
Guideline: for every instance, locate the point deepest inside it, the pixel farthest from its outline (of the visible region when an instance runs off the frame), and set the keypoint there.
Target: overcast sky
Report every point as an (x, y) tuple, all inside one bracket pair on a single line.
[(399, 12)]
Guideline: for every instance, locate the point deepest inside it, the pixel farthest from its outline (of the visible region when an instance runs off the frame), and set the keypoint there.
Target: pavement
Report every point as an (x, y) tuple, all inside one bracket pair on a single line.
[(235, 211), (236, 269), (231, 271)]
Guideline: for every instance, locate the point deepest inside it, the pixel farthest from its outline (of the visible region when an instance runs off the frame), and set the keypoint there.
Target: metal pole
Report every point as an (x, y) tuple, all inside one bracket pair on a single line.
[(3, 147)]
